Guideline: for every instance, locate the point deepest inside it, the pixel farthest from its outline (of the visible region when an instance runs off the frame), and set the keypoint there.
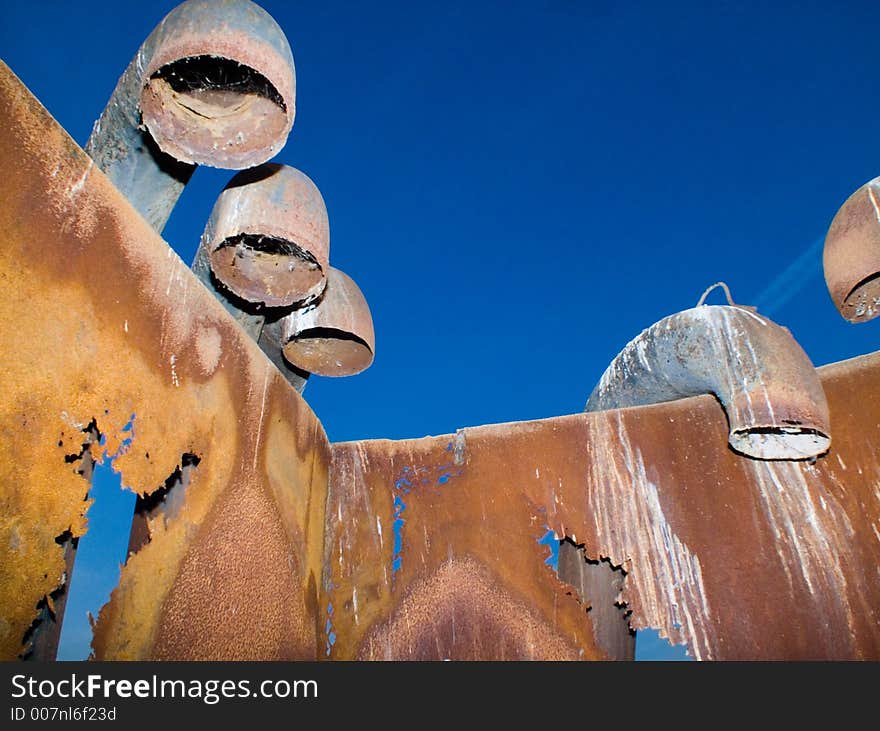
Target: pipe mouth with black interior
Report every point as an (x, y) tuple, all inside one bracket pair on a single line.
[(267, 240), (211, 110), (779, 442), (270, 270), (335, 337), (328, 351)]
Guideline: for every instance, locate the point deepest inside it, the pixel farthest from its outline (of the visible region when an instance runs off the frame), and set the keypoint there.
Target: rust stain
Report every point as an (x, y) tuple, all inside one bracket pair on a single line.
[(462, 612), (284, 547), (113, 293), (736, 558), (463, 576)]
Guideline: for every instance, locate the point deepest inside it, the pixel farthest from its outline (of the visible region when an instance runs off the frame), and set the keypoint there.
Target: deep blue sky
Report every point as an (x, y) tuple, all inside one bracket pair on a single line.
[(520, 188)]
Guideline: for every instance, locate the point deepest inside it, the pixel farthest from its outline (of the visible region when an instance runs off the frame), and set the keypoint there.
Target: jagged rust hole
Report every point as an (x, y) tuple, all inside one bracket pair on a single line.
[(40, 639), (164, 503), (611, 617), (597, 584), (117, 528)]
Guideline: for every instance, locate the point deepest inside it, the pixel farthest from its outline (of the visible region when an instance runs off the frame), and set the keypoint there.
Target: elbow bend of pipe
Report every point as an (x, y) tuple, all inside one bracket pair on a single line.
[(268, 238), (334, 337), (770, 391), (851, 257), (214, 84)]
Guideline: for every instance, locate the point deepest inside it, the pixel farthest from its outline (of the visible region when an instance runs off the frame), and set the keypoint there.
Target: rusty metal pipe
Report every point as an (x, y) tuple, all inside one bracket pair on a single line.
[(213, 84), (268, 238), (851, 257), (335, 337), (775, 404), (270, 342)]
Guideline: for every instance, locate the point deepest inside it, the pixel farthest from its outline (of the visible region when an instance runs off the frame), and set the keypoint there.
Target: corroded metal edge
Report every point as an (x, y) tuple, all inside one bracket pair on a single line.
[(737, 558), (108, 326)]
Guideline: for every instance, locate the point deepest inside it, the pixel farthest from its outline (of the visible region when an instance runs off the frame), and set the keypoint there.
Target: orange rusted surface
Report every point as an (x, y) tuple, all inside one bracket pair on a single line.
[(283, 547), (102, 321), (736, 557)]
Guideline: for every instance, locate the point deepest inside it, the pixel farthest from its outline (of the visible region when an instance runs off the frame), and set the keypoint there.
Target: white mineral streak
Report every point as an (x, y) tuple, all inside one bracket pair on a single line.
[(809, 544), (874, 201), (703, 350), (664, 575)]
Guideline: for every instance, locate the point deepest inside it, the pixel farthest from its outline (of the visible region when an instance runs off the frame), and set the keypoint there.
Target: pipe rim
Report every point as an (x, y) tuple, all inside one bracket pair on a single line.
[(773, 442)]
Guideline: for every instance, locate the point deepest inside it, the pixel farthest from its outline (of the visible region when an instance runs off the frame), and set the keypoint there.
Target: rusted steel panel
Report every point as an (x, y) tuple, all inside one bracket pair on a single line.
[(103, 324), (424, 559), (738, 558), (418, 549)]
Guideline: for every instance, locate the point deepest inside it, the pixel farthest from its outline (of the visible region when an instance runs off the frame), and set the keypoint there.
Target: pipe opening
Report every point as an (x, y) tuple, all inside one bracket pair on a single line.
[(201, 107), (863, 301), (267, 269), (328, 352), (780, 442)]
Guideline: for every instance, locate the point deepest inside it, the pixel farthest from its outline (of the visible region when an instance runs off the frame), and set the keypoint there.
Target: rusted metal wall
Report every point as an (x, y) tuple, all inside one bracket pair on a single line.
[(281, 547), (737, 558), (102, 323)]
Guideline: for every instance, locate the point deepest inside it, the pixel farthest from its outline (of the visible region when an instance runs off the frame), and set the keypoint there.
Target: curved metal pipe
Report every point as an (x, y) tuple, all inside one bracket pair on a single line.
[(775, 404), (213, 84), (268, 238), (335, 337), (851, 257)]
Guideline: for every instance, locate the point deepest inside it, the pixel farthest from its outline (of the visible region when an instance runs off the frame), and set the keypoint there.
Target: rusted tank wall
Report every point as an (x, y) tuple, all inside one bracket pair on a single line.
[(422, 548), (736, 557), (102, 323)]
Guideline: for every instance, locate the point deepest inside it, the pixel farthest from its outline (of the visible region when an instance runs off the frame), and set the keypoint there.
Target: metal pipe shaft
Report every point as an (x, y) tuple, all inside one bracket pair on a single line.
[(213, 84)]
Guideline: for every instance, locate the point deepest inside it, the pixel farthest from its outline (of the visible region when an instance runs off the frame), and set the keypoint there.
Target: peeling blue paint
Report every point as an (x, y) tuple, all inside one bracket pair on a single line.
[(550, 540), (411, 479), (397, 528), (328, 629)]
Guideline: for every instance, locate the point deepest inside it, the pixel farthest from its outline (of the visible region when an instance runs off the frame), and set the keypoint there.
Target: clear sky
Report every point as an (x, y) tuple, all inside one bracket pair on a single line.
[(519, 188)]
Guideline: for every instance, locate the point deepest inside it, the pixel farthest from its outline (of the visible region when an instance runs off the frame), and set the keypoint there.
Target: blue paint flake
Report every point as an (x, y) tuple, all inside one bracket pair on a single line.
[(328, 630), (550, 540), (397, 529), (411, 478)]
